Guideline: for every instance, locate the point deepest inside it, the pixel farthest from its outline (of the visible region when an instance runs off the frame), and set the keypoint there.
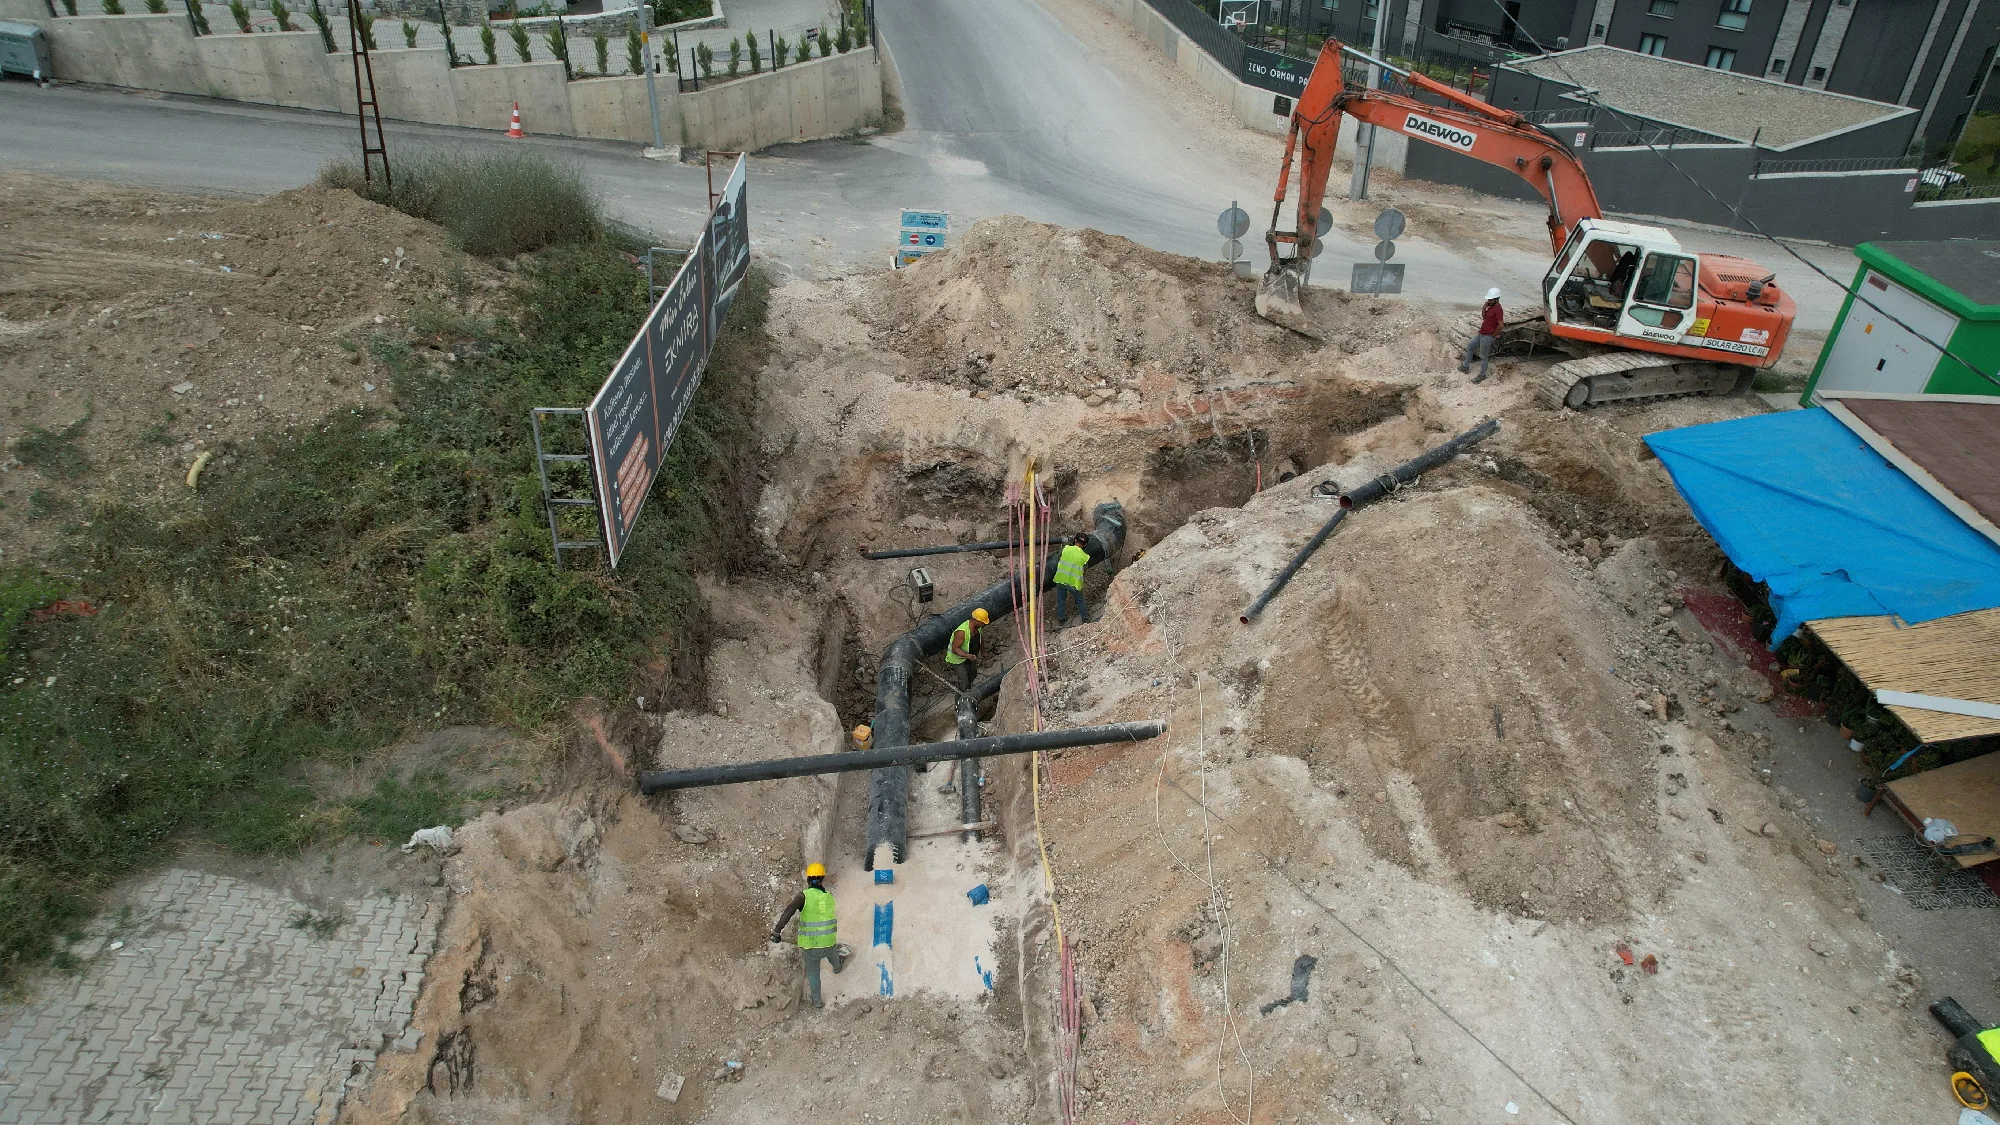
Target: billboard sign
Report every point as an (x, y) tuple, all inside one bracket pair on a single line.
[(729, 244), (633, 418)]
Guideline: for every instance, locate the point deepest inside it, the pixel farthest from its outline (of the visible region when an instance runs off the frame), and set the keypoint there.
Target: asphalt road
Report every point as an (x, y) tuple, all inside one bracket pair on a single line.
[(1007, 111)]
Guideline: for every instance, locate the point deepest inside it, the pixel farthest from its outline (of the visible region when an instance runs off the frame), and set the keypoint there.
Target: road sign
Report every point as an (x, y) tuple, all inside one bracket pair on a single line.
[(1385, 250), (1233, 222), (907, 254), (1232, 250), (927, 239), (925, 220), (1372, 278), (1325, 222), (1389, 224)]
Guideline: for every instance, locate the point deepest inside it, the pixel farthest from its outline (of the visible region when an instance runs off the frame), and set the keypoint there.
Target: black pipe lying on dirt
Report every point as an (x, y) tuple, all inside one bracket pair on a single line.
[(889, 788), (947, 549), (968, 770), (899, 757), (1367, 494)]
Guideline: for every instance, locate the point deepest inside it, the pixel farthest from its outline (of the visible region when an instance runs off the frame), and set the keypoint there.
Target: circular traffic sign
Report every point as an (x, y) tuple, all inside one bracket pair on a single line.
[(1389, 224), (1232, 250), (1385, 250), (1232, 223), (1325, 221), (1319, 247)]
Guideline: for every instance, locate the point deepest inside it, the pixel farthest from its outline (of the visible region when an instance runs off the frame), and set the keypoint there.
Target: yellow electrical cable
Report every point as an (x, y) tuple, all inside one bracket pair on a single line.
[(1033, 644)]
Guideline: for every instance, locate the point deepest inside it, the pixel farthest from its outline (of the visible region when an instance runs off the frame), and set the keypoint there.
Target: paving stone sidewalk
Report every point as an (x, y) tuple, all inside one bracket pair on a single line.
[(224, 1001)]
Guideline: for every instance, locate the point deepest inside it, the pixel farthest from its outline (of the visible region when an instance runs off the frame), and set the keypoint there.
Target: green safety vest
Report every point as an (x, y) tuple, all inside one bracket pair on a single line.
[(1990, 1039), (1069, 568), (961, 637), (816, 920)]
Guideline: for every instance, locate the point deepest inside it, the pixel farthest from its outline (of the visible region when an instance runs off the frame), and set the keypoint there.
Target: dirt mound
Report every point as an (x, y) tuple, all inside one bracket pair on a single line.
[(1025, 306), (179, 325)]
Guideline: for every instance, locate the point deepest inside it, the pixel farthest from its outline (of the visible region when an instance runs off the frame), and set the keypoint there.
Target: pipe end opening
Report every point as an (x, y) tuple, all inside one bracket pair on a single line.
[(1244, 618)]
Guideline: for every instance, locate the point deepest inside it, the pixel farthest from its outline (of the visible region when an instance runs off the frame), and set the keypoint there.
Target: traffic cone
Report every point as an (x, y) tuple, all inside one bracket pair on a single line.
[(514, 128)]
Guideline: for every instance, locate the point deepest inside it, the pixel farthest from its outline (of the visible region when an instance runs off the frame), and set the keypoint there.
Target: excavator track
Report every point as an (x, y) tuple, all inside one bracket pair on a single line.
[(1621, 376)]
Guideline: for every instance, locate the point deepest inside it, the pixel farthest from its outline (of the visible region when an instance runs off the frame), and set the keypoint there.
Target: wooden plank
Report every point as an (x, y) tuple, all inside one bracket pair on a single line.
[(1952, 657), (1959, 440), (1966, 793)]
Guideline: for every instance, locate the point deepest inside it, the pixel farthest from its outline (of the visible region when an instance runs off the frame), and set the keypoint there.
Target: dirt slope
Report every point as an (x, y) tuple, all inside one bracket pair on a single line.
[(182, 325)]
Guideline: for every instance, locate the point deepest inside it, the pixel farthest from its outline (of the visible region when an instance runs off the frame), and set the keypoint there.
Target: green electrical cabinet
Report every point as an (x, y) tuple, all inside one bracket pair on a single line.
[(1919, 294)]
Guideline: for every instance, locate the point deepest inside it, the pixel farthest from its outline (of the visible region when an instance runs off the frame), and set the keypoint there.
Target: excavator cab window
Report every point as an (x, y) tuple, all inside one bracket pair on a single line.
[(1597, 284), (1666, 285)]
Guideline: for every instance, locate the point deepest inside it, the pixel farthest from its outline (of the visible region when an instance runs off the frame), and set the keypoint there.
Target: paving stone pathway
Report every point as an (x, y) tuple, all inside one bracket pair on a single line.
[(212, 1000)]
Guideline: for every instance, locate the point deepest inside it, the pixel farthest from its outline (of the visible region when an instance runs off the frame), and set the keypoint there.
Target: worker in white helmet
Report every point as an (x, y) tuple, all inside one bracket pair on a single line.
[(1481, 345)]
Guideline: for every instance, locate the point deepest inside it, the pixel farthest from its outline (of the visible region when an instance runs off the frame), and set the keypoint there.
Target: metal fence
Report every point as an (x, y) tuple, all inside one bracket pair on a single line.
[(1836, 164), (1200, 26), (1931, 191), (1574, 115), (1656, 138)]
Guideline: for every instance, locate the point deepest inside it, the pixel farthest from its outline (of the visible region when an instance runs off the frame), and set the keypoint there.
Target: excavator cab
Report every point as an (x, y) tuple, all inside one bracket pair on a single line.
[(1622, 278)]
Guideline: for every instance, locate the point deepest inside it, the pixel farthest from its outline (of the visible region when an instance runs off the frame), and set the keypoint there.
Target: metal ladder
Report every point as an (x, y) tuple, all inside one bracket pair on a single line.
[(551, 503), (364, 99)]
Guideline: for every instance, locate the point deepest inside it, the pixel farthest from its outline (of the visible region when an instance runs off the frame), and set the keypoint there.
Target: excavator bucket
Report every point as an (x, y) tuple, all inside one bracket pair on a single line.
[(1279, 300)]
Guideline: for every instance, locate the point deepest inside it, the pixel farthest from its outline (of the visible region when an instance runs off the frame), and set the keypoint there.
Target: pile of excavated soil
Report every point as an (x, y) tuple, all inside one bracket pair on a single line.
[(180, 325), (1020, 306), (1435, 765)]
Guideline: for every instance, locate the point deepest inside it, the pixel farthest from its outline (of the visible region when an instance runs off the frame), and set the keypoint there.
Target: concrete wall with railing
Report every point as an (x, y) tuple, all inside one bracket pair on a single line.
[(1252, 105), (804, 101)]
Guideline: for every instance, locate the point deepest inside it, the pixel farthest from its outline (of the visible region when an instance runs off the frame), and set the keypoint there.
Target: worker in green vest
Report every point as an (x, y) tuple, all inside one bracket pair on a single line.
[(817, 938), (961, 657), (1069, 579)]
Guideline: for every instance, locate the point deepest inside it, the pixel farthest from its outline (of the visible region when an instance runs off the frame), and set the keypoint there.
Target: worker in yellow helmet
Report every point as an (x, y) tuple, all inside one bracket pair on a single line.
[(961, 657), (1069, 579), (817, 937)]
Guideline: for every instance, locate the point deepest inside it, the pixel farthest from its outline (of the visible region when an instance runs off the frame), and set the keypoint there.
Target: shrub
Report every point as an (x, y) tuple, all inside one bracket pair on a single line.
[(194, 10), (756, 57), (825, 41), (519, 35), (805, 50), (494, 204), (367, 31), (325, 25), (557, 37), (278, 12), (603, 46), (778, 53), (69, 6), (241, 15), (113, 8), (735, 56), (705, 59), (409, 34), (157, 7), (635, 58), (53, 453), (860, 30), (843, 42), (486, 44)]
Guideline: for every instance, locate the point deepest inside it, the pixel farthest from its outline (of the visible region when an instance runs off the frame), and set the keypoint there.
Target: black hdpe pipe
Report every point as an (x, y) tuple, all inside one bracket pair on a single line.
[(968, 770), (889, 788), (1367, 494), (947, 549), (898, 757)]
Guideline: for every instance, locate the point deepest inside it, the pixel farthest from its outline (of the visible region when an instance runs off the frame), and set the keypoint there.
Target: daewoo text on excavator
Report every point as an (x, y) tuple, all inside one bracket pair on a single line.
[(1638, 316)]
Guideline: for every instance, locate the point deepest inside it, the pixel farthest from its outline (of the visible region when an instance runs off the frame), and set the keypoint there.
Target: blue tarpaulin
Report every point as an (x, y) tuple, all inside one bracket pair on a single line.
[(1800, 503)]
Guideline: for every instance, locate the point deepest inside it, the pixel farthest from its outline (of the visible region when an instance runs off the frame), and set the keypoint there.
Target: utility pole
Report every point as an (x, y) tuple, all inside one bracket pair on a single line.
[(659, 149), (1364, 133)]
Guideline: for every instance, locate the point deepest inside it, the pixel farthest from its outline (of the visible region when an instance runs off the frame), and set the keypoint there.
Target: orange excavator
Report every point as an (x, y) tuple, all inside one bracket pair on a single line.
[(1637, 316)]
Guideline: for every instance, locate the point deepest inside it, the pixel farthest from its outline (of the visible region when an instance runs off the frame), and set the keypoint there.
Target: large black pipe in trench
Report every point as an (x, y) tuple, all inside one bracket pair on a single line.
[(889, 789), (1367, 494), (947, 549), (968, 770), (899, 757)]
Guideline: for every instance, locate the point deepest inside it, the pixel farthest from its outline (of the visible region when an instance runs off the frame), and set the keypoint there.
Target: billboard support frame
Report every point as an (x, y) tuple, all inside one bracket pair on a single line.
[(550, 501)]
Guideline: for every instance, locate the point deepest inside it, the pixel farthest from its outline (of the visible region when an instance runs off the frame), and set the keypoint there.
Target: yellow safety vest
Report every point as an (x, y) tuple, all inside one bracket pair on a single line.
[(961, 637), (816, 926), (1069, 568)]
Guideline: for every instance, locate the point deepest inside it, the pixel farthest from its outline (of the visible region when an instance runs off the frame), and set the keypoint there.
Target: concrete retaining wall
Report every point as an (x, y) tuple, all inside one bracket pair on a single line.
[(1251, 105), (804, 101), (1843, 208)]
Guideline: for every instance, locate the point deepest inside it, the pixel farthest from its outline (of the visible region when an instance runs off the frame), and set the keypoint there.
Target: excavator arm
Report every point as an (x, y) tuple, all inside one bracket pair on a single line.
[(1464, 124)]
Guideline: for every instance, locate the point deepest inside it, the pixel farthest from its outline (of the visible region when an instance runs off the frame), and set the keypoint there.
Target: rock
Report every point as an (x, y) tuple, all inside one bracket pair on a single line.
[(1659, 707), (1381, 798), (688, 834), (1664, 611), (1678, 811), (996, 1067), (1770, 829), (1828, 847), (1343, 1045), (1508, 820), (182, 388), (1592, 549), (1819, 946)]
